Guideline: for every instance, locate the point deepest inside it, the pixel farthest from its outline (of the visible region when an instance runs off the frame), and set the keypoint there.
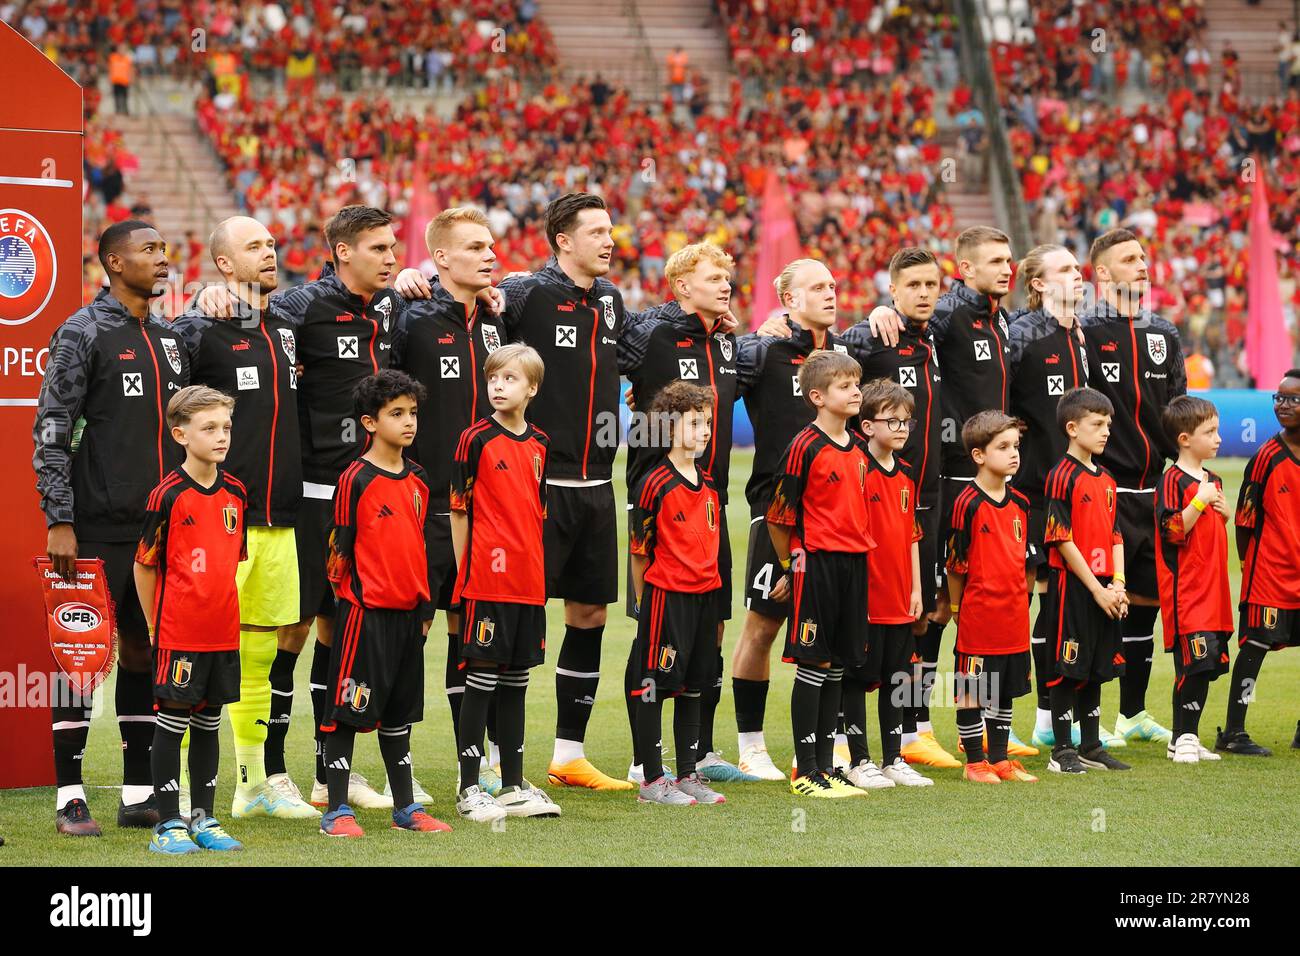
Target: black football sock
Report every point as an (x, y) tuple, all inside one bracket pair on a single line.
[(805, 707), (135, 718), (828, 716), (577, 674), (395, 746), (455, 683), (205, 759), (1139, 646), (1196, 687), (997, 721), (1177, 728), (1063, 700), (281, 709), (165, 761), (317, 684), (970, 727), (686, 731), (631, 697), (1245, 674), (751, 704), (1042, 654), (480, 688), (891, 726), (492, 737), (649, 713), (710, 695), (1088, 703), (339, 743), (853, 703), (511, 691), (71, 724), (928, 648)]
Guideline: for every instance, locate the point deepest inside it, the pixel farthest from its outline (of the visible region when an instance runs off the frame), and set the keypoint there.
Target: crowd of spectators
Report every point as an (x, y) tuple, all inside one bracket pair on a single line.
[(1176, 164), (860, 163)]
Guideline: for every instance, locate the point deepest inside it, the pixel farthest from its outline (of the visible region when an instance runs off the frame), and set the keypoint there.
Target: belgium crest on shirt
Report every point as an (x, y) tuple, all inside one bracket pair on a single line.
[(1018, 529), (1110, 500), (181, 671), (862, 474), (904, 498), (537, 468), (417, 501), (711, 514), (230, 518)]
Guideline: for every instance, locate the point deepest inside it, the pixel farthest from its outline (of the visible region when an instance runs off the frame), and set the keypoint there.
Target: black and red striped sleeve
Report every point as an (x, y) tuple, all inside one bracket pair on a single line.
[(343, 535), (464, 465), (786, 498), (959, 541), (1059, 495)]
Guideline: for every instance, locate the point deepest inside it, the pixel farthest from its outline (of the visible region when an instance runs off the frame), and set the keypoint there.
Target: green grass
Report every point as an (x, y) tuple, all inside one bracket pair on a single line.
[(1236, 812)]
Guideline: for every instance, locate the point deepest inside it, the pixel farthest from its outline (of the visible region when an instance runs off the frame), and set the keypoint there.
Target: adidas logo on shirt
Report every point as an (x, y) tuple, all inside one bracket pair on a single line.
[(189, 521), (1086, 498), (385, 512), (985, 529), (833, 478), (502, 466), (679, 516)]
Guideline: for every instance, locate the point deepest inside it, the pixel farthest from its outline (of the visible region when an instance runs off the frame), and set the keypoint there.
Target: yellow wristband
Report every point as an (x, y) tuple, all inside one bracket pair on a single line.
[(954, 608), (785, 564), (1119, 579), (1198, 504)]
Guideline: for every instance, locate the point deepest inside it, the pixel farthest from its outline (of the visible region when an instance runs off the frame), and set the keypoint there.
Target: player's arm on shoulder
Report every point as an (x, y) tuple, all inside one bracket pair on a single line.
[(638, 328), (751, 353), (515, 288), (861, 341), (291, 304)]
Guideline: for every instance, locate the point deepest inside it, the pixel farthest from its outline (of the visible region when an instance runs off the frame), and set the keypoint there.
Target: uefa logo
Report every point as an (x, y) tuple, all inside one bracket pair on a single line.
[(28, 267)]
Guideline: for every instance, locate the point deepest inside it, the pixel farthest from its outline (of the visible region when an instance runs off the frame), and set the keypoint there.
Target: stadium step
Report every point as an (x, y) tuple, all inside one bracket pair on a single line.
[(1253, 31)]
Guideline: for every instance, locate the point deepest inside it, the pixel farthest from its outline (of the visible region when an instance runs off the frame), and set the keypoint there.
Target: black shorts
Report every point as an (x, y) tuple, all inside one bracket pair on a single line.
[(722, 596), (198, 678), (1277, 627), (311, 533), (376, 675), (929, 548), (676, 635), (442, 560), (991, 678), (1085, 644), (890, 649), (508, 634), (581, 542), (828, 619), (119, 576), (762, 572), (1037, 532), (1203, 652), (1136, 521), (949, 489)]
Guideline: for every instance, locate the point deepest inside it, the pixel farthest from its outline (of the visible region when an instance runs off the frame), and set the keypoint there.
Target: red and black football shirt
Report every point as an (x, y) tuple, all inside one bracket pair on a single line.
[(1269, 508), (498, 480), (891, 502), (1191, 566), (1081, 509), (376, 557), (675, 525), (822, 493), (195, 537), (990, 545)]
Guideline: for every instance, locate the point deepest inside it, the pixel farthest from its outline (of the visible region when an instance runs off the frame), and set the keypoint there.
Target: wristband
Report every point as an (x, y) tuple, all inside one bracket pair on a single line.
[(1119, 579), (954, 608), (785, 564), (1198, 504)]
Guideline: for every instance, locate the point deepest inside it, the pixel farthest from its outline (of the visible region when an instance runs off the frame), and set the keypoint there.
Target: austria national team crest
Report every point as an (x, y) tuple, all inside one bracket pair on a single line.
[(173, 353), (385, 308), (491, 338), (289, 344), (28, 267), (1157, 348), (607, 301), (724, 343)]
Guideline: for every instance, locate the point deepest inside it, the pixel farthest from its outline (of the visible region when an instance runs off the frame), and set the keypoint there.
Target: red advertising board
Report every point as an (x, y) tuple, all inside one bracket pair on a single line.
[(40, 286)]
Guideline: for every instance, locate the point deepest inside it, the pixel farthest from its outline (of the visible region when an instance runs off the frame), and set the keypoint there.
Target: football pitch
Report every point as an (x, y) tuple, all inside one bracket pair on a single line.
[(1238, 811)]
